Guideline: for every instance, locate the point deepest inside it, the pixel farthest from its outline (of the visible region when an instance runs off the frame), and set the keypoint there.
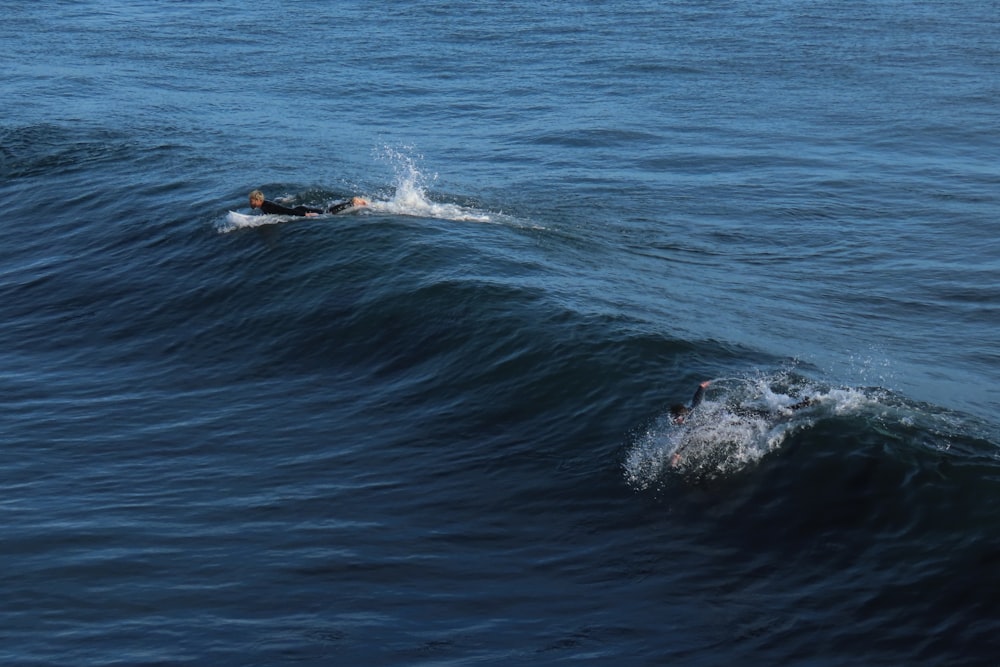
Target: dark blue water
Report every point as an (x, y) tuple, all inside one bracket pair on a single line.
[(436, 432)]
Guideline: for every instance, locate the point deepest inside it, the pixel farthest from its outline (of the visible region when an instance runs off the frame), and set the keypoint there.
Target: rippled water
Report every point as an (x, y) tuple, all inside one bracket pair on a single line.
[(437, 431)]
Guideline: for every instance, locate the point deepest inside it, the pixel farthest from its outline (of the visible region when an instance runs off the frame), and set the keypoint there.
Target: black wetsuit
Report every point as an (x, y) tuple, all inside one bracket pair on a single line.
[(337, 208), (699, 394), (270, 208)]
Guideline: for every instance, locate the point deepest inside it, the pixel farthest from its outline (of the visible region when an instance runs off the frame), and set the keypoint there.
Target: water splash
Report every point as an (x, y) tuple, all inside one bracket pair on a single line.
[(410, 192), (738, 423)]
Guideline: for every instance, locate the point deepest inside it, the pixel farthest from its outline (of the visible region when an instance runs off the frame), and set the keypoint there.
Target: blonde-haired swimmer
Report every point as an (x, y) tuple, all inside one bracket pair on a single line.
[(257, 201)]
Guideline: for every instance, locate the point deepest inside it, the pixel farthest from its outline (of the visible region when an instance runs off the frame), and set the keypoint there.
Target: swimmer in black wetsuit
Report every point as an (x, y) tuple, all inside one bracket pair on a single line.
[(679, 412), (257, 201)]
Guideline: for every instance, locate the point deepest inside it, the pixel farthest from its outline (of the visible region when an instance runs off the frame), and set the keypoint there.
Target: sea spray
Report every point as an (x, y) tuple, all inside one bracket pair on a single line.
[(410, 191), (739, 422)]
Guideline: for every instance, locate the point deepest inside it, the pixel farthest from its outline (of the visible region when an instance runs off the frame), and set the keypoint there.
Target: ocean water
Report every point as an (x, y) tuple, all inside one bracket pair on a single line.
[(437, 431)]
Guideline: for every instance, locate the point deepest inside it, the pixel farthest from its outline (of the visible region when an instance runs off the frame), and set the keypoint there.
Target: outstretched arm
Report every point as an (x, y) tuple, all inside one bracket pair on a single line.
[(699, 394)]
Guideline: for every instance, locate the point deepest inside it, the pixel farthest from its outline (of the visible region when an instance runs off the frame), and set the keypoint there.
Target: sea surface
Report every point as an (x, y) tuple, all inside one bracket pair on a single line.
[(437, 431)]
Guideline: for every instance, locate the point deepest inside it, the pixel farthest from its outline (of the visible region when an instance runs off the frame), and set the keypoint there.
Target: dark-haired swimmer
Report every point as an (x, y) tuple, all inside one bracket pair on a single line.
[(679, 412), (257, 201)]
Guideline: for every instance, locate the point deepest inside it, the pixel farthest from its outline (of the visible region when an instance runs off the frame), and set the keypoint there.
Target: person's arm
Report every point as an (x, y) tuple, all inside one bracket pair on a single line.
[(699, 394)]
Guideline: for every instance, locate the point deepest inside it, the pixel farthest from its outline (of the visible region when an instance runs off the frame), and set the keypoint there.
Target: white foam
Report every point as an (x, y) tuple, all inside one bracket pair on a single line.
[(714, 440), (234, 220), (410, 194), (739, 422)]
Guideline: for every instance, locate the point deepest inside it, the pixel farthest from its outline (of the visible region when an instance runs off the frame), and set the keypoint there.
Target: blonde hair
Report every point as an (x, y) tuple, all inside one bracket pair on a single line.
[(257, 194)]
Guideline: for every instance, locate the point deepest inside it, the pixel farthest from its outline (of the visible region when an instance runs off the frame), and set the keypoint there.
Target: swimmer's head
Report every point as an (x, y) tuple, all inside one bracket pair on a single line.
[(678, 412), (256, 199)]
